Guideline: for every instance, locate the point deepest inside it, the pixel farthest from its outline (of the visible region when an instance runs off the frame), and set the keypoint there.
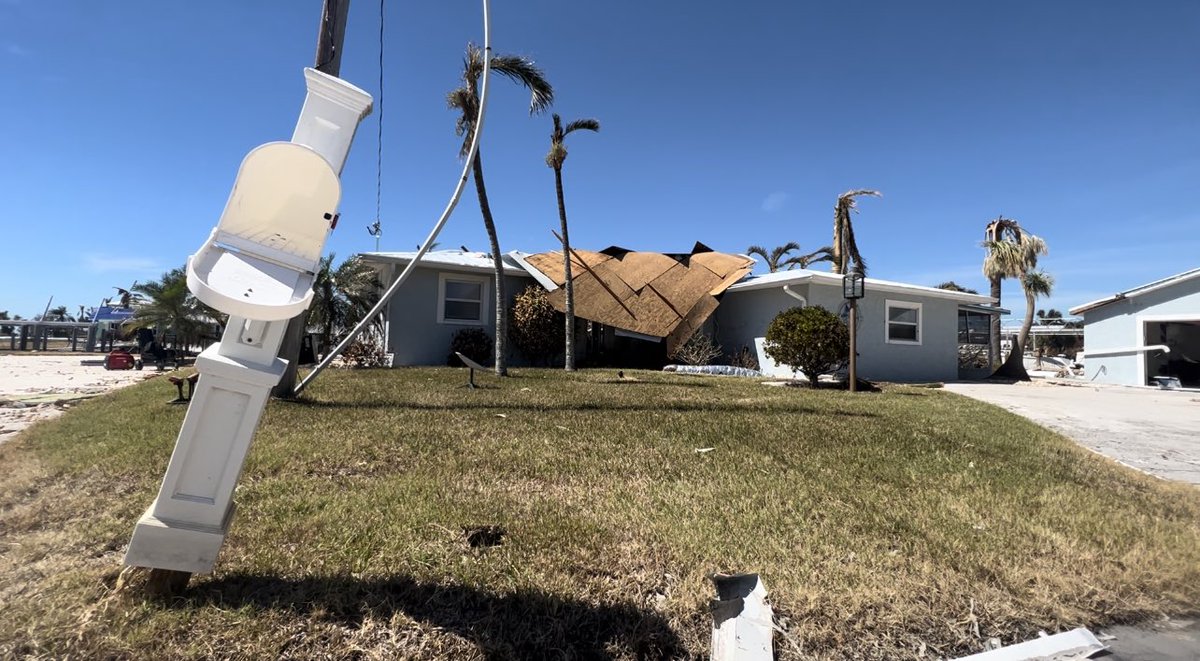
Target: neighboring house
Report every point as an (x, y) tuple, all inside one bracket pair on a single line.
[(448, 291), (1146, 332), (905, 332)]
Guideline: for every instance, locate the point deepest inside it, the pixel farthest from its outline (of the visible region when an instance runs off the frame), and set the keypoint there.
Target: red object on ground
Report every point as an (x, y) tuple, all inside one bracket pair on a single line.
[(118, 359)]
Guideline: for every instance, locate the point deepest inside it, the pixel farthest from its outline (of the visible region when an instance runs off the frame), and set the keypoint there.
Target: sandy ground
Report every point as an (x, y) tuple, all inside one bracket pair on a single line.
[(38, 386), (1156, 431)]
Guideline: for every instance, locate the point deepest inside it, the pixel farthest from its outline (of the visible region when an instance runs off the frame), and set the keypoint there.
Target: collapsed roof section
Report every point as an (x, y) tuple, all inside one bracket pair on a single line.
[(656, 294)]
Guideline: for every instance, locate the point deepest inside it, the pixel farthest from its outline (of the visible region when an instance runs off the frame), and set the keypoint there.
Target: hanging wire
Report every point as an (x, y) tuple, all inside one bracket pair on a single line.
[(468, 160), (379, 140)]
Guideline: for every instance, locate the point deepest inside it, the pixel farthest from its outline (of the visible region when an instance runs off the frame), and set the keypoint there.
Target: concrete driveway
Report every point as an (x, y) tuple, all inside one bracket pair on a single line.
[(1156, 431)]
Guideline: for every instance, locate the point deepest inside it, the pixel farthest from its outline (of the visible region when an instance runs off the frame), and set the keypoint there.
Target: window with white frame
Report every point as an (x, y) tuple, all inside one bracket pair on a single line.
[(462, 299), (903, 322)]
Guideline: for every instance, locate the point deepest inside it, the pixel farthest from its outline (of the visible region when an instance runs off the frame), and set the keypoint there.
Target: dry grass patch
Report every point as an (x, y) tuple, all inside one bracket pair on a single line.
[(885, 525)]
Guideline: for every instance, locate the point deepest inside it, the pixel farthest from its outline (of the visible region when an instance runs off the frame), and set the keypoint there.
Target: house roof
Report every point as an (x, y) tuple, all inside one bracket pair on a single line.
[(1138, 291), (647, 293), (806, 276), (450, 260)]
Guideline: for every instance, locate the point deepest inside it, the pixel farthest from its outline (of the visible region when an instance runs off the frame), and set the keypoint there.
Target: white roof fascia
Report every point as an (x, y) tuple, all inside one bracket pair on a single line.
[(1138, 291), (519, 258), (454, 261), (802, 276)]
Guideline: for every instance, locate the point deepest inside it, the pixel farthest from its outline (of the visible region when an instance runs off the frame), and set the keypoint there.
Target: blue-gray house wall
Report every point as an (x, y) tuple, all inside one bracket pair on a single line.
[(1121, 325), (745, 314), (415, 336)]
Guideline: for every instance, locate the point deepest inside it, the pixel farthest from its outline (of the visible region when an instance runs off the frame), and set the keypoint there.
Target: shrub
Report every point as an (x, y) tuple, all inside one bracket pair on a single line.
[(535, 327), (812, 340), (698, 350), (473, 343), (744, 358)]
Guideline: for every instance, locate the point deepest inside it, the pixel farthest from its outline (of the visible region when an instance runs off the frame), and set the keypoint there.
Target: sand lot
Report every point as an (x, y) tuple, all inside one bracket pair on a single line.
[(38, 386)]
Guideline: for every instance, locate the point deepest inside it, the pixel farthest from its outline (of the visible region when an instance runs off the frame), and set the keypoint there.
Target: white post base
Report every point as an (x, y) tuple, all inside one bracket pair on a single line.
[(176, 545)]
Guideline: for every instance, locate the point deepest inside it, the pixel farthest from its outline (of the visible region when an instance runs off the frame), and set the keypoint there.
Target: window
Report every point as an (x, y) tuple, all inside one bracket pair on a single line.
[(903, 322), (462, 299)]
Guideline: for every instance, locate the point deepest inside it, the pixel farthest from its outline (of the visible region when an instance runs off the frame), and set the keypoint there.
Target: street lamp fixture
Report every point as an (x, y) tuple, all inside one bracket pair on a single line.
[(852, 286)]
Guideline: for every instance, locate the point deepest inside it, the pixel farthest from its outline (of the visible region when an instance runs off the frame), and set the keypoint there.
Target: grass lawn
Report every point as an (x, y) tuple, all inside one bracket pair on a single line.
[(890, 525)]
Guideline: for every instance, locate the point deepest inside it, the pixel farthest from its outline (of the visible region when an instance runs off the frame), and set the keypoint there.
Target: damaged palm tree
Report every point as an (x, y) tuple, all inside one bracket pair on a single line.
[(845, 249), (465, 99), (555, 159), (1011, 253)]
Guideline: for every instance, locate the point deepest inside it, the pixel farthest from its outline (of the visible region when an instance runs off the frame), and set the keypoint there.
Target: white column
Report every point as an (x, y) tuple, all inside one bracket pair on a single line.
[(257, 266)]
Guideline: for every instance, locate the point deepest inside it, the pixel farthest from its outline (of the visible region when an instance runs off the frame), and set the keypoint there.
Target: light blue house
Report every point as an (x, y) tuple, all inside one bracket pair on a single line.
[(1141, 335), (906, 332)]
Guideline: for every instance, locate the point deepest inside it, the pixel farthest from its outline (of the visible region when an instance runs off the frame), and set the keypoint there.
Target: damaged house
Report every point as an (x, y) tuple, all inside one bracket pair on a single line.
[(633, 308)]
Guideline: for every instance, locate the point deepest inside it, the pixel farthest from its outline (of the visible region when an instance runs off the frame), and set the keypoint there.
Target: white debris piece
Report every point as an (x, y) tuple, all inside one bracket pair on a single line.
[(1072, 645)]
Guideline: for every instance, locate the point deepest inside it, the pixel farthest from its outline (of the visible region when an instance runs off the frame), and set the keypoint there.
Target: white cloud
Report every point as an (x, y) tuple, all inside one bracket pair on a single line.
[(774, 202), (110, 264)]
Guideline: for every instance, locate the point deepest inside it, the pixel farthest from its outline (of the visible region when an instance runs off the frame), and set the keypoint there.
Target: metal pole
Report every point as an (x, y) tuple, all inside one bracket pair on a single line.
[(331, 33), (853, 345)]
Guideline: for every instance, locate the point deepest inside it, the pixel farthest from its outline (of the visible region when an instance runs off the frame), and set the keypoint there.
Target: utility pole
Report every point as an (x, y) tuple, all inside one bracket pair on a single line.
[(331, 33)]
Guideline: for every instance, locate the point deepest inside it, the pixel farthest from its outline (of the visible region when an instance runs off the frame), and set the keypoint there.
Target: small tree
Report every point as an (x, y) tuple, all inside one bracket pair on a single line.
[(536, 328), (812, 340)]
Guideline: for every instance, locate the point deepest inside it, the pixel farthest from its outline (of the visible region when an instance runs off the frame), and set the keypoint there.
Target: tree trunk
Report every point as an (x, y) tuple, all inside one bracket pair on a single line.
[(1028, 323), (498, 260), (995, 332), (838, 254), (569, 361)]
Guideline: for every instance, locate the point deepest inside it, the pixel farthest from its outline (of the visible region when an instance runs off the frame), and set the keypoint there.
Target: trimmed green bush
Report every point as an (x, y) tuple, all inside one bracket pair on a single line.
[(812, 340)]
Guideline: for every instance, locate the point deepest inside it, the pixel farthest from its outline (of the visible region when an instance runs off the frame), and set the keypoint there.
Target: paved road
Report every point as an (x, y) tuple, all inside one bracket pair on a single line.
[(1156, 431)]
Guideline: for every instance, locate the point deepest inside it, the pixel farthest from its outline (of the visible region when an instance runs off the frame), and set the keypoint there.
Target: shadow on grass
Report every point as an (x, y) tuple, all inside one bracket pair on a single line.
[(523, 625), (711, 407)]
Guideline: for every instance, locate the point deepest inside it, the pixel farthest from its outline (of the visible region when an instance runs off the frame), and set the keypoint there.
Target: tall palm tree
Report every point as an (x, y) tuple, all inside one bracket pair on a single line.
[(776, 262), (1035, 284), (167, 304), (1011, 253), (342, 296), (555, 159), (845, 249), (465, 99)]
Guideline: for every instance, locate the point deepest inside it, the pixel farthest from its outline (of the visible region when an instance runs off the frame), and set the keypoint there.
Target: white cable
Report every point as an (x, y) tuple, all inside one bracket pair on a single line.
[(437, 228)]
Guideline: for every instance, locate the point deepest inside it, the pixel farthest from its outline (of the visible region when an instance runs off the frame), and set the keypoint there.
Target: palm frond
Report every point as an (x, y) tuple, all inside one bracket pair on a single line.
[(521, 70), (1038, 283), (582, 124)]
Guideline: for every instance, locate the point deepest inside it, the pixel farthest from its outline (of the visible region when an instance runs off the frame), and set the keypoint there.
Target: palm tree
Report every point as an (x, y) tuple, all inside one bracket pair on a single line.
[(1011, 253), (465, 99), (951, 285), (342, 297), (845, 249), (1035, 284), (555, 159), (168, 304), (776, 262)]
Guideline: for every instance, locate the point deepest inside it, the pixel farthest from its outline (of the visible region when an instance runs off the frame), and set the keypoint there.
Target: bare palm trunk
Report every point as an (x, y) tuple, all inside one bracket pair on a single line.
[(501, 313), (837, 265), (1028, 323), (994, 336), (569, 361)]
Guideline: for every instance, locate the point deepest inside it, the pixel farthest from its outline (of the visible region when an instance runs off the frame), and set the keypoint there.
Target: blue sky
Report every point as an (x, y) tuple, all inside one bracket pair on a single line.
[(123, 124)]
